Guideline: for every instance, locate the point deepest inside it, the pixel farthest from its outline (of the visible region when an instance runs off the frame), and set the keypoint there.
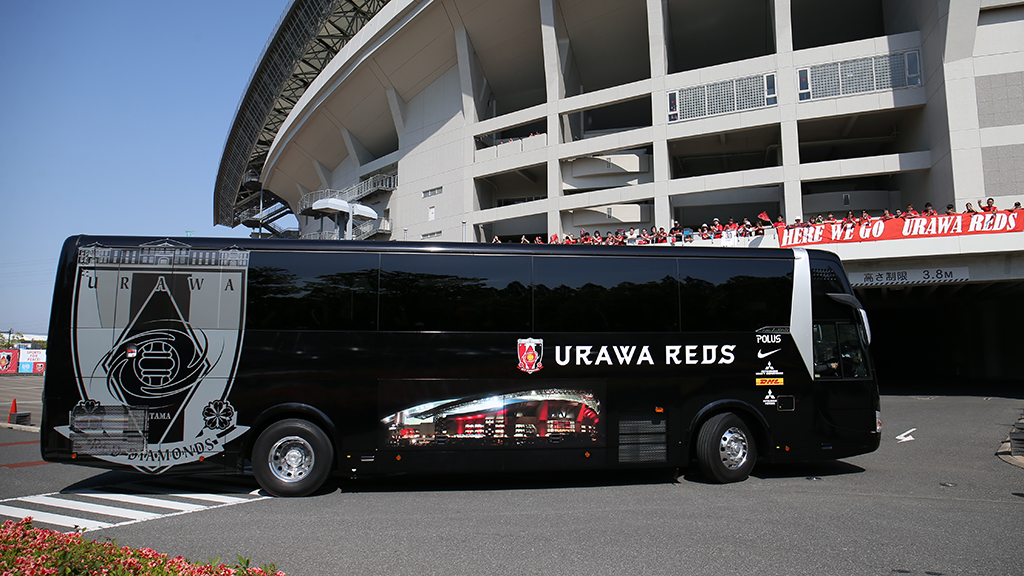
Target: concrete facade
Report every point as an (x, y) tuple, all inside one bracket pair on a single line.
[(535, 117)]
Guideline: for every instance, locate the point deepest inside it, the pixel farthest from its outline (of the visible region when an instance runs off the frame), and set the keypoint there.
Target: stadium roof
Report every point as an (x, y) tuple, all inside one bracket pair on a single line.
[(308, 35)]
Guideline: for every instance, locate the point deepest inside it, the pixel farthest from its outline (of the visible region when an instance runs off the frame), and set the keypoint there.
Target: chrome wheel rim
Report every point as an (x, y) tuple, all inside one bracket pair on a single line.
[(291, 459), (733, 448)]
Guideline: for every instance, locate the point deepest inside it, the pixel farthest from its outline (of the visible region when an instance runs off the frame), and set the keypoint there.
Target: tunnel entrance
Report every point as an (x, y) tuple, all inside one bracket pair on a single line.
[(948, 339)]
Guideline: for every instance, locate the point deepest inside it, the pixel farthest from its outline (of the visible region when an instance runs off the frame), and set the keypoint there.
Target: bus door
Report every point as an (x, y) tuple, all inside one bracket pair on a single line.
[(846, 392)]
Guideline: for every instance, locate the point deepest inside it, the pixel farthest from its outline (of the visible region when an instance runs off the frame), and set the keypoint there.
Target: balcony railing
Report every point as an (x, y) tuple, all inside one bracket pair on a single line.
[(379, 182), (360, 231)]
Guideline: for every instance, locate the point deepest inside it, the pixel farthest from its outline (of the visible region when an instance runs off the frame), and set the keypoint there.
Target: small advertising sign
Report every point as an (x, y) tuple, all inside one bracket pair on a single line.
[(9, 361), (31, 361)]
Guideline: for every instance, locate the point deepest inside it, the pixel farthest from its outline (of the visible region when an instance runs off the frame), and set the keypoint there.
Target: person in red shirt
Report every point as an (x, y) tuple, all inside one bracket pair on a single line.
[(831, 219), (865, 218), (886, 215), (990, 205), (746, 229), (779, 225), (910, 213), (928, 210)]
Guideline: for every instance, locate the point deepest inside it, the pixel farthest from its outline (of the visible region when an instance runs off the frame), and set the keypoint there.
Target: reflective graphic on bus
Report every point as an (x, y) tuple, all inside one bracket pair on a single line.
[(531, 417), (156, 341)]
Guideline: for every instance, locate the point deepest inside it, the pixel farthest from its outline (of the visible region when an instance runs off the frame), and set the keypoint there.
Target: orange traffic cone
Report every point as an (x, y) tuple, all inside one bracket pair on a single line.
[(14, 409)]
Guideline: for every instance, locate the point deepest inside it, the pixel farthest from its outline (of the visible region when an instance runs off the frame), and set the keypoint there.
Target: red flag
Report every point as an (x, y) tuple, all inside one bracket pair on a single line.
[(764, 216)]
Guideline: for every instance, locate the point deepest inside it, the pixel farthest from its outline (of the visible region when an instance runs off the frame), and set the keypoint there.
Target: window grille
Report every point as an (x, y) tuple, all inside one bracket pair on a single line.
[(721, 97), (857, 76), (691, 103), (432, 192), (888, 72), (825, 80), (750, 93), (430, 235)]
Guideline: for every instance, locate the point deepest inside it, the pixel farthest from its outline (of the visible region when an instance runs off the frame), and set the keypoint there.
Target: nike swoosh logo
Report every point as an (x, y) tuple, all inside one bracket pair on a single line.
[(767, 354)]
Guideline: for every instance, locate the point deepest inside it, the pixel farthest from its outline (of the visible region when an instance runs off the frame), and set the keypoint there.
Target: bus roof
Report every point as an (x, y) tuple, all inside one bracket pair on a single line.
[(277, 244)]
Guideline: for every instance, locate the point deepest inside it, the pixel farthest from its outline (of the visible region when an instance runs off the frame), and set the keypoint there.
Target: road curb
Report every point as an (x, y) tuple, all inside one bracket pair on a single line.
[(20, 427), (1005, 455)]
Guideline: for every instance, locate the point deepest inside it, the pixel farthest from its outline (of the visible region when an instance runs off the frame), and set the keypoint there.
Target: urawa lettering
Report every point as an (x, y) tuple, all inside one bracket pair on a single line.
[(674, 354)]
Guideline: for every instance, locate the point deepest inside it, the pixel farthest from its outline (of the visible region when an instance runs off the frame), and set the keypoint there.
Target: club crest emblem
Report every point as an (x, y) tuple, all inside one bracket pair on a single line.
[(530, 352), (154, 390)]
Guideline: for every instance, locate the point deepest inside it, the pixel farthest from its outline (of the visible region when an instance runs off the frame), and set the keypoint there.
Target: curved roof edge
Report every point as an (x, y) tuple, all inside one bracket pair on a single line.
[(306, 38)]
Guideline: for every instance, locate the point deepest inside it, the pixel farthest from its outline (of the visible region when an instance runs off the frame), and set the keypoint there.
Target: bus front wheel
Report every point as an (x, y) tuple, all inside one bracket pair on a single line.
[(292, 458), (726, 451)]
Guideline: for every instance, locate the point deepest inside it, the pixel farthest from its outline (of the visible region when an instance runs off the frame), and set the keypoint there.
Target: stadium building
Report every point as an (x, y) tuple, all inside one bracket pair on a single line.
[(463, 120)]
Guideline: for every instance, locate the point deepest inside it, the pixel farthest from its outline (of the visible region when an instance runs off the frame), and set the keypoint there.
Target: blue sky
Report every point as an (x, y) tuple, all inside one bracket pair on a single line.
[(115, 117)]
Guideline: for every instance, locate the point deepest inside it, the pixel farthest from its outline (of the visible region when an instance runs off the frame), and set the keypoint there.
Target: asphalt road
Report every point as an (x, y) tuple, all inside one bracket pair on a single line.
[(939, 503)]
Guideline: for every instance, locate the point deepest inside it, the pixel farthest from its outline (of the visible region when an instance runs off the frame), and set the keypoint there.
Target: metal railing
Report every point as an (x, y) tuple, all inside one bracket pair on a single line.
[(360, 231), (378, 182), (369, 228)]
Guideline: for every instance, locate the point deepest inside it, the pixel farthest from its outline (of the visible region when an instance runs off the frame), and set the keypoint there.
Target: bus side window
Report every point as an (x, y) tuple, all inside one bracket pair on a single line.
[(852, 348), (839, 351), (826, 352)]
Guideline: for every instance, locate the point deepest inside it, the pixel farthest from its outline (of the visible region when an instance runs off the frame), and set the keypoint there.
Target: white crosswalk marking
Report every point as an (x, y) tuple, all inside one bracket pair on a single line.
[(48, 518), (219, 498), (143, 500), (95, 508), (98, 508)]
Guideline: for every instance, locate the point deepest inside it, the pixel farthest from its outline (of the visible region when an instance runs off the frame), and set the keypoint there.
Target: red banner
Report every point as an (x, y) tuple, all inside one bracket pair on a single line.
[(897, 228), (9, 361)]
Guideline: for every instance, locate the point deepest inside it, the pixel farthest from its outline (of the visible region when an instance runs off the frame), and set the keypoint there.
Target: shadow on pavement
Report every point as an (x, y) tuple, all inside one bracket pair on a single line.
[(214, 483), (504, 481), (931, 387), (809, 470)]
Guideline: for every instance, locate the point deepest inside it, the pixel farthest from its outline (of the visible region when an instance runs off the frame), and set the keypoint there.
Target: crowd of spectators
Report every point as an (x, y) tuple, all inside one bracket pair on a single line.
[(620, 237), (864, 218), (633, 237)]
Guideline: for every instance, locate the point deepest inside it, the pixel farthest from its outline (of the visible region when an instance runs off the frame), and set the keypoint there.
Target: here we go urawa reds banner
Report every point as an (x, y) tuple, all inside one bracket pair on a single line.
[(897, 228)]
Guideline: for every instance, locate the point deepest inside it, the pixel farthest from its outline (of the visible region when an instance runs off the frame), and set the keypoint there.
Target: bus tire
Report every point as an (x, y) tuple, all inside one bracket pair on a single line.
[(726, 450), (292, 458)]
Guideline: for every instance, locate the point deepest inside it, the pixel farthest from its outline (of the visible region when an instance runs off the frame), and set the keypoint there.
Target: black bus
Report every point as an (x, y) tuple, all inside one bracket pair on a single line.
[(303, 358)]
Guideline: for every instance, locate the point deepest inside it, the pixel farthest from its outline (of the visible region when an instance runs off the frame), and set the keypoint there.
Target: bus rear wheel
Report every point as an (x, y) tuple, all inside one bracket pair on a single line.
[(726, 451), (292, 458)]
